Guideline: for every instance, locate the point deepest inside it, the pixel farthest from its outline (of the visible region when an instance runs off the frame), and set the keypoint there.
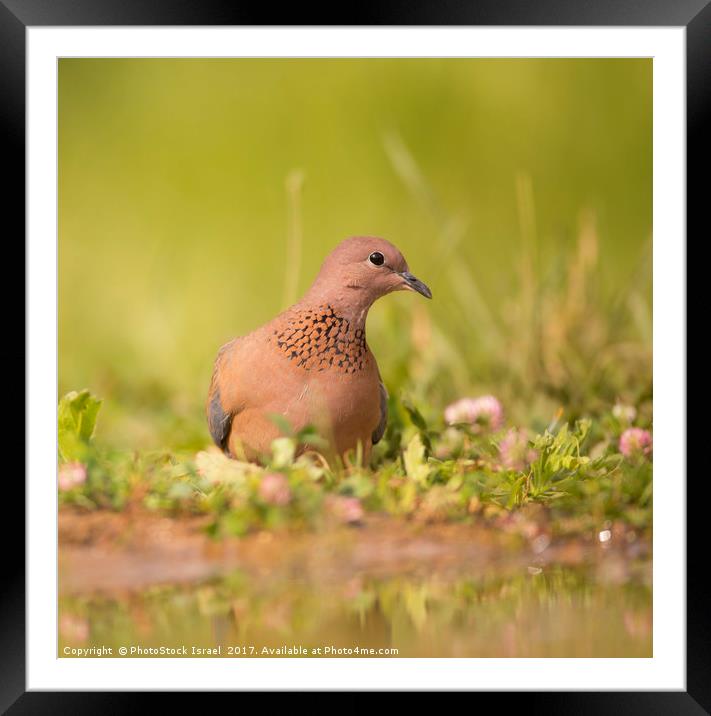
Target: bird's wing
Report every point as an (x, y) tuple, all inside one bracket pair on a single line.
[(219, 417), (380, 430)]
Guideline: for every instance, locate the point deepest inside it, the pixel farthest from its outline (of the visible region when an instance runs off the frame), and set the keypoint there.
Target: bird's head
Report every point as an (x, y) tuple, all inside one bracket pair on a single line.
[(361, 269)]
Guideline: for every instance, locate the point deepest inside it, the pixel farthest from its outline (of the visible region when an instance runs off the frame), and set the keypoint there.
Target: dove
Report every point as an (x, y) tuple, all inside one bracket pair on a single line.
[(311, 364)]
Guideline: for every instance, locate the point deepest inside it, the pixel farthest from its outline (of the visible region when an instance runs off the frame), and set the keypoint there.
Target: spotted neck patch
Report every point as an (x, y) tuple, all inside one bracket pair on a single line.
[(318, 339)]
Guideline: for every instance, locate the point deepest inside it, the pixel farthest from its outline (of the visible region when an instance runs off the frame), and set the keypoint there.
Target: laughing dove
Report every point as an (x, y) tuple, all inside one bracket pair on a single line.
[(311, 364)]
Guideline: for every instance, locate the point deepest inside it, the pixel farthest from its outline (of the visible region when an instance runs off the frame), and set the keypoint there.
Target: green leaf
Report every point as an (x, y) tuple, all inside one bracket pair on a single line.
[(358, 485), (215, 467), (415, 415), (416, 465), (77, 415), (408, 497), (421, 424), (283, 451)]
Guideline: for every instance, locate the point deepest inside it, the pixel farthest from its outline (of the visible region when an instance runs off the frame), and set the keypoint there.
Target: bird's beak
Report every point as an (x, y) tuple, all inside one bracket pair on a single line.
[(414, 284)]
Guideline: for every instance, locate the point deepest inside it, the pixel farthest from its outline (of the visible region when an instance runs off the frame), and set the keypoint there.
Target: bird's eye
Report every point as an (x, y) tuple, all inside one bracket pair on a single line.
[(377, 258)]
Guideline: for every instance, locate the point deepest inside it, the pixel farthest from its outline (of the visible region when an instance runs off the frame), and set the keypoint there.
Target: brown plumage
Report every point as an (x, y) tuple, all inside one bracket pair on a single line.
[(311, 364)]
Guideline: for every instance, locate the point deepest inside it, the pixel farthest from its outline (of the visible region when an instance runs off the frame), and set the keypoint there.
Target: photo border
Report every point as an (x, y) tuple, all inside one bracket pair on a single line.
[(13, 25)]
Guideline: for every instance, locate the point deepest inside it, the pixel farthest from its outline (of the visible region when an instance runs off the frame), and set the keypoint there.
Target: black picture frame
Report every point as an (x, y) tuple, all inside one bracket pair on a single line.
[(695, 15)]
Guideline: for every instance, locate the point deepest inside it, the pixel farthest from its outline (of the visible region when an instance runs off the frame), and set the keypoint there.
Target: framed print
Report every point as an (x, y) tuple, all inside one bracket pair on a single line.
[(356, 353)]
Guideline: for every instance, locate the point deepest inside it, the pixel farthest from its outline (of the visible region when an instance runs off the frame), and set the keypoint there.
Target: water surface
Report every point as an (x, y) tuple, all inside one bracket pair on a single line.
[(359, 593)]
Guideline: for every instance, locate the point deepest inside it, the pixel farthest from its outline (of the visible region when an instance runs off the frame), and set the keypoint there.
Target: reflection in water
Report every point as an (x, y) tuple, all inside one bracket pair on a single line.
[(551, 612)]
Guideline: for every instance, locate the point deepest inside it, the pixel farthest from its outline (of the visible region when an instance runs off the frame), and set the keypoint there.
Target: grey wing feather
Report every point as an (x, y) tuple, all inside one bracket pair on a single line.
[(219, 420), (380, 430)]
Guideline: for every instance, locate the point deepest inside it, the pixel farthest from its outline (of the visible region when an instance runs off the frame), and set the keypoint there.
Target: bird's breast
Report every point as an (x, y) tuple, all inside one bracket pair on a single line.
[(320, 340), (316, 369)]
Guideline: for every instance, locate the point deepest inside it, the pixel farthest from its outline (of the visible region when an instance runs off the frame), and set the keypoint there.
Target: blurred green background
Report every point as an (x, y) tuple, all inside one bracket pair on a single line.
[(197, 196)]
